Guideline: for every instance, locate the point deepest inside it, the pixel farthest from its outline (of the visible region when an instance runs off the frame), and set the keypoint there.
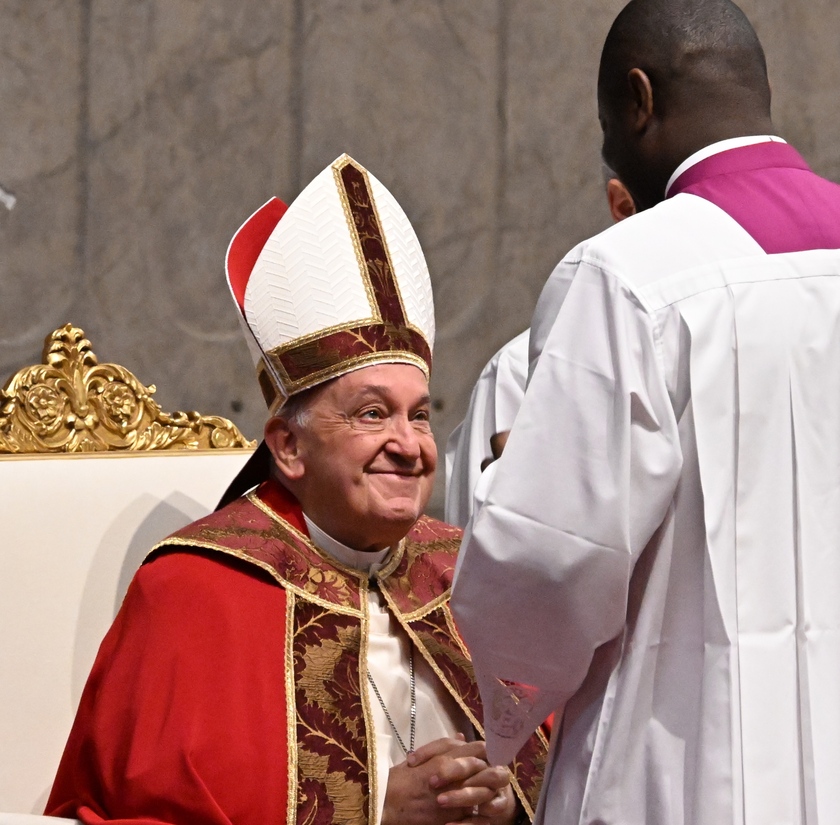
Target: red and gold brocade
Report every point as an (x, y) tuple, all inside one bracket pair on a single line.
[(322, 699)]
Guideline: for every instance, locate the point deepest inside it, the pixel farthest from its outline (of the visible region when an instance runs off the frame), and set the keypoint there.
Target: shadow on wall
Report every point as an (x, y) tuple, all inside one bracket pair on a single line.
[(138, 528)]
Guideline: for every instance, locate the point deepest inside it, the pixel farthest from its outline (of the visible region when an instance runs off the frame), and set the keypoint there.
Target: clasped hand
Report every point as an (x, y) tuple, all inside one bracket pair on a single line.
[(445, 781)]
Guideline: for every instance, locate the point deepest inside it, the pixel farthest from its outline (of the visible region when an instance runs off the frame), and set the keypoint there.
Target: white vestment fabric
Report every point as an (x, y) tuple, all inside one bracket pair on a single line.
[(660, 542), (493, 406)]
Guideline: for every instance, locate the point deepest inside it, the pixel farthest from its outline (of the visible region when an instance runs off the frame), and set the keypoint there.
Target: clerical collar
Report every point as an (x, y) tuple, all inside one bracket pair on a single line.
[(369, 562), (716, 148)]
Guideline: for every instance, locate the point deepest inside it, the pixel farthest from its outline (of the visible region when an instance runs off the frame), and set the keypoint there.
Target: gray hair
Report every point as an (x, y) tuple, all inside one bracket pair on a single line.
[(297, 409)]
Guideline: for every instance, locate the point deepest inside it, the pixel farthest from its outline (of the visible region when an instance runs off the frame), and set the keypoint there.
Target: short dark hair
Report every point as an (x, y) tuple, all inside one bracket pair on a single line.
[(683, 40)]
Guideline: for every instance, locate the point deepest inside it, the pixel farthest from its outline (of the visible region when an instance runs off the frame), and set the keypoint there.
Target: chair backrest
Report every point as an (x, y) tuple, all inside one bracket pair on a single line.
[(106, 476)]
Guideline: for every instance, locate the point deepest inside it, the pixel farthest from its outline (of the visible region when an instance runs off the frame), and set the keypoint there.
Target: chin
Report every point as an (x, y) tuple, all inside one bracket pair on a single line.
[(397, 520), (407, 514), (390, 503)]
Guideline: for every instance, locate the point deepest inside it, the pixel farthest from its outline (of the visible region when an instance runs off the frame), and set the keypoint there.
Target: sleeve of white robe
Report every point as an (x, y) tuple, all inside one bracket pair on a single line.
[(587, 476)]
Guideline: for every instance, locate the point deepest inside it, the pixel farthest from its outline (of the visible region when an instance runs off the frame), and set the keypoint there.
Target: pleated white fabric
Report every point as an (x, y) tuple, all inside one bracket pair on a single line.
[(665, 572), (494, 403)]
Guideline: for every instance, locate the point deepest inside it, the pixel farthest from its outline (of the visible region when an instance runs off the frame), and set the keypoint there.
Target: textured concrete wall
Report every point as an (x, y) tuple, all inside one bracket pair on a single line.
[(138, 134)]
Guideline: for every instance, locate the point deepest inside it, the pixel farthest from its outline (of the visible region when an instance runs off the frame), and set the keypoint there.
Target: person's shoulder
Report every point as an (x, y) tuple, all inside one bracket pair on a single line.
[(186, 602), (514, 351), (431, 536), (680, 233), (196, 577), (513, 360), (431, 551), (510, 350), (640, 236), (427, 528), (647, 230), (243, 535), (234, 516)]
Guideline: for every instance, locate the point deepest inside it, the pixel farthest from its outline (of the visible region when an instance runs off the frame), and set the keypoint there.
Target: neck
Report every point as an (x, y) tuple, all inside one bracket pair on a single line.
[(705, 137), (684, 138), (357, 559)]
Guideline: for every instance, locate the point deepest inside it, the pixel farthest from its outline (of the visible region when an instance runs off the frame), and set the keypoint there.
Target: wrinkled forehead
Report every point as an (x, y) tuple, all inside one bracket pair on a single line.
[(386, 379), (403, 384)]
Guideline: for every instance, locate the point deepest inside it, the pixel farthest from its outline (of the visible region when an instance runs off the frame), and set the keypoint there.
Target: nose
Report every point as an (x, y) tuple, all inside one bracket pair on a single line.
[(403, 439)]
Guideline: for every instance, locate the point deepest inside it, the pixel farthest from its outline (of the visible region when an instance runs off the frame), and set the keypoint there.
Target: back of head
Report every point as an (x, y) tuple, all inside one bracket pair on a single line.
[(708, 77)]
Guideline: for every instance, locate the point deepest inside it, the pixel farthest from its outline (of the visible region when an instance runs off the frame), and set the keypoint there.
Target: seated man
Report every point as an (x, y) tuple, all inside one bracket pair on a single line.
[(292, 657)]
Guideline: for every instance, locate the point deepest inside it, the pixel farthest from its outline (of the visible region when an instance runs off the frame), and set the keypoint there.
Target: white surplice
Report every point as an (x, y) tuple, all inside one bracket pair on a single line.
[(658, 555), (494, 403)]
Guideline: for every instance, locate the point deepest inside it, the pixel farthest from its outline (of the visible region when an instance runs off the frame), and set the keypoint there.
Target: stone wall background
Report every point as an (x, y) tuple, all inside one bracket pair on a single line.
[(137, 135)]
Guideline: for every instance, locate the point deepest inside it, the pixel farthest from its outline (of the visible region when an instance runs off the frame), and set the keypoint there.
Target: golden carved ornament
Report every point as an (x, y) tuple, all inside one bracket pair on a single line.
[(71, 403)]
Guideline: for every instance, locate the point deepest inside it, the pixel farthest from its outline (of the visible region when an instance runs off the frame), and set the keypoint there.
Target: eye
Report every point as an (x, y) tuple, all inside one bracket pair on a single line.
[(369, 418), (420, 420)]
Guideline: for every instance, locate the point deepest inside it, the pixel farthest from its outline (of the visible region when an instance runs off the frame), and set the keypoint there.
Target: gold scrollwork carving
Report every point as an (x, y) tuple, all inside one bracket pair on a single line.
[(72, 403)]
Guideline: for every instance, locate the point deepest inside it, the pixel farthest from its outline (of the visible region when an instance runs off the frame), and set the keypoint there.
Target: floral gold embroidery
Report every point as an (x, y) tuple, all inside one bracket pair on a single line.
[(248, 529), (332, 741), (329, 758), (330, 584), (327, 796)]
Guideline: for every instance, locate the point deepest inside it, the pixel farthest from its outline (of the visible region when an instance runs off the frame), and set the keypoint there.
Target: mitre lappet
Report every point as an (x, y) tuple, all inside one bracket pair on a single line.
[(332, 283)]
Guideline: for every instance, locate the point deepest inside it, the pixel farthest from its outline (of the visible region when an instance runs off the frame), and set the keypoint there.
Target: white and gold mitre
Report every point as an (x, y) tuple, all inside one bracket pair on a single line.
[(335, 282)]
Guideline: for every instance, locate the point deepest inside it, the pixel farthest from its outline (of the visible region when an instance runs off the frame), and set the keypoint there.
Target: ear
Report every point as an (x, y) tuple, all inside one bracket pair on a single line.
[(641, 93), (284, 444), (620, 200)]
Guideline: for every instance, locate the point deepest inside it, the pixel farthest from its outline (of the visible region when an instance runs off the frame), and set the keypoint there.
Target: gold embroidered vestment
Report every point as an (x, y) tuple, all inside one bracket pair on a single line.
[(331, 769)]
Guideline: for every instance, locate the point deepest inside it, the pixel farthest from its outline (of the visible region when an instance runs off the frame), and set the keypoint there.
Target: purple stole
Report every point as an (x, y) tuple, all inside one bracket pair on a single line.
[(770, 191)]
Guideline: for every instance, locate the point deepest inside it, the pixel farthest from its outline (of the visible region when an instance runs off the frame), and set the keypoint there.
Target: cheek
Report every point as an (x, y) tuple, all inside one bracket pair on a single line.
[(428, 450), (359, 451)]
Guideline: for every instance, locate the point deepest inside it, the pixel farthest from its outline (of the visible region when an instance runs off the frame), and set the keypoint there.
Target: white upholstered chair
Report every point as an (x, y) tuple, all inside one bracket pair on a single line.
[(92, 474)]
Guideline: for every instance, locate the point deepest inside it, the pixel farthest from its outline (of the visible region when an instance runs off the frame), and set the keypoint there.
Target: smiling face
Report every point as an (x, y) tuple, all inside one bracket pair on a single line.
[(362, 459)]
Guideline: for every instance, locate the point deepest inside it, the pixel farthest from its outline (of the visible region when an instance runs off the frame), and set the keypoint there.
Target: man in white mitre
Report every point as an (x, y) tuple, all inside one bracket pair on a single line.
[(657, 559), (496, 397), (292, 657)]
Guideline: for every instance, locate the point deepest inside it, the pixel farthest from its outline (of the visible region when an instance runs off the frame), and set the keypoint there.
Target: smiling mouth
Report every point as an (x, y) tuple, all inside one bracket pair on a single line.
[(397, 476), (412, 472)]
